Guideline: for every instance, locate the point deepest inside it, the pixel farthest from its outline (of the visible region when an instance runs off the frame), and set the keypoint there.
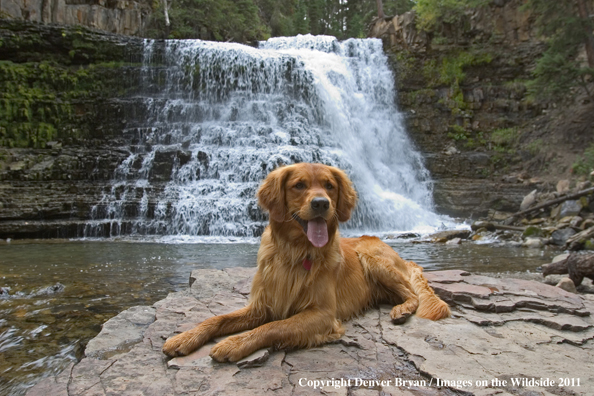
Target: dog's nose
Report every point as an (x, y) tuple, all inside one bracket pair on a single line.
[(320, 204)]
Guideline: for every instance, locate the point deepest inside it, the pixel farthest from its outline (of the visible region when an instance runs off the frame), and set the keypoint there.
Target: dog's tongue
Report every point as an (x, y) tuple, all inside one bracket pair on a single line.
[(317, 232)]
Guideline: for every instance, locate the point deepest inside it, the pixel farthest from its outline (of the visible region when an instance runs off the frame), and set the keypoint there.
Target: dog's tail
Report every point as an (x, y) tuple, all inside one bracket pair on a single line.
[(430, 305)]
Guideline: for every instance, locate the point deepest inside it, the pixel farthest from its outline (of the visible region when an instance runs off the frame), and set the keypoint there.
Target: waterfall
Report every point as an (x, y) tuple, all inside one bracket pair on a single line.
[(213, 119)]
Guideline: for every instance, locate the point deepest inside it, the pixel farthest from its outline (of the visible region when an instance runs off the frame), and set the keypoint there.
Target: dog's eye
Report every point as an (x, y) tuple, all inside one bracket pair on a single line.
[(300, 186), (329, 186)]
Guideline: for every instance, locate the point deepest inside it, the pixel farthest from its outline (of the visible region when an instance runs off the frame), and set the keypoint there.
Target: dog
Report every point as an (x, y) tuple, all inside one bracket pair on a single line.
[(308, 278)]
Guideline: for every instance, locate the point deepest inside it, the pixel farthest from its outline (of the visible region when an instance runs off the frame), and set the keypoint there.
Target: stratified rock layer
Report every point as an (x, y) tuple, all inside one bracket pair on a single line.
[(506, 336)]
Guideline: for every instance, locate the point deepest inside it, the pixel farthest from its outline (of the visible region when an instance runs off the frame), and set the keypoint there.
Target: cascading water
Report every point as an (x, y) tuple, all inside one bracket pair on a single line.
[(214, 119)]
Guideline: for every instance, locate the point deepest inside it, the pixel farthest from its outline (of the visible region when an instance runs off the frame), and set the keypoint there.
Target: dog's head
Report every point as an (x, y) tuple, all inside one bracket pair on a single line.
[(309, 198)]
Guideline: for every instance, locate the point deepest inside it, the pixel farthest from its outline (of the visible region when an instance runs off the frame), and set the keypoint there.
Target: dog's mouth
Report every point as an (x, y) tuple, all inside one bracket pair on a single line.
[(316, 230)]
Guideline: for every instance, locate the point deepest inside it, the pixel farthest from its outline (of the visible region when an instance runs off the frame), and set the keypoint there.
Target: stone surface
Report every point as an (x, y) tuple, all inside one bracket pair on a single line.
[(121, 332), (567, 285), (528, 200), (444, 236), (501, 330), (560, 237), (570, 208), (119, 16)]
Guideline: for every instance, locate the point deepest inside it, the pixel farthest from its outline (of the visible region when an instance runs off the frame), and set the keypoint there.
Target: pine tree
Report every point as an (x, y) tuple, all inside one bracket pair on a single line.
[(568, 27)]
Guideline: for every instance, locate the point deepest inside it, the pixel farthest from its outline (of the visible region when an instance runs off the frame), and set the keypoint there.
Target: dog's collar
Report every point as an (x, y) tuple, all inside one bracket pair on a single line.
[(307, 263)]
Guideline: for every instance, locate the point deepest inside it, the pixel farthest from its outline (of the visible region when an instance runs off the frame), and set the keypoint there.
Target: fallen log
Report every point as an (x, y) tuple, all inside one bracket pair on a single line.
[(552, 202), (494, 226), (577, 241)]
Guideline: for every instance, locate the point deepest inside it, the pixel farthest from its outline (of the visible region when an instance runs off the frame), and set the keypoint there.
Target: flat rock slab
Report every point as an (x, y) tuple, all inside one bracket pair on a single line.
[(506, 337)]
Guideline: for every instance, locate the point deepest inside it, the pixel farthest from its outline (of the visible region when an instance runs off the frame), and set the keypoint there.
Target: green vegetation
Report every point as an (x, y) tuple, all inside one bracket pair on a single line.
[(45, 101), (585, 164), (568, 27), (432, 14), (249, 20), (221, 20), (535, 147), (504, 139), (451, 69)]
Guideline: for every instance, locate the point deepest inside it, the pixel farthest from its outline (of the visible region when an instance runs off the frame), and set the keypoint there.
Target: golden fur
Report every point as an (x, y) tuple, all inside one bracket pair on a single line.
[(293, 307)]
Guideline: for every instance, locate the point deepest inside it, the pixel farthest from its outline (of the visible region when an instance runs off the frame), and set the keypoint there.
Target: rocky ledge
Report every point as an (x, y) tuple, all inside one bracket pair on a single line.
[(506, 337)]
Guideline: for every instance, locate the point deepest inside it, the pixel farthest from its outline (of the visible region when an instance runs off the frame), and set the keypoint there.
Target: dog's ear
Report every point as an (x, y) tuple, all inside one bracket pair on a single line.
[(271, 194), (347, 196)]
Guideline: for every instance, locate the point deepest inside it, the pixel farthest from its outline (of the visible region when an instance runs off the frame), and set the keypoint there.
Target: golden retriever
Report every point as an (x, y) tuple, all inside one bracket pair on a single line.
[(308, 278)]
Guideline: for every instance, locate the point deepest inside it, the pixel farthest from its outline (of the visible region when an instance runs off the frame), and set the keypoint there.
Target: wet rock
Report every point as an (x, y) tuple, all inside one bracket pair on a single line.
[(533, 243), (499, 328), (445, 236), (567, 285), (570, 208), (477, 225), (50, 290), (455, 241), (560, 237)]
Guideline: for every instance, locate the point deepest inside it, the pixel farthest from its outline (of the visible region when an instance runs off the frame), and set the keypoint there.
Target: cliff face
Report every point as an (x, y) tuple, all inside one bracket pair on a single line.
[(463, 90), (61, 123), (114, 16)]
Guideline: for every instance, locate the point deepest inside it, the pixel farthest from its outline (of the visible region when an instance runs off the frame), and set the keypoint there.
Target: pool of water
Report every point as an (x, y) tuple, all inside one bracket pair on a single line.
[(54, 295)]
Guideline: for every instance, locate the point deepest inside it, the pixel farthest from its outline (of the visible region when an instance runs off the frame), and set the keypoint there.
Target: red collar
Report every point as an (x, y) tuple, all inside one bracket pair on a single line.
[(307, 263)]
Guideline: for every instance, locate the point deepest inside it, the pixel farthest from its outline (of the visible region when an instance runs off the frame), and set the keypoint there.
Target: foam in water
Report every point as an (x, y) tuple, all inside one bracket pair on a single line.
[(214, 119)]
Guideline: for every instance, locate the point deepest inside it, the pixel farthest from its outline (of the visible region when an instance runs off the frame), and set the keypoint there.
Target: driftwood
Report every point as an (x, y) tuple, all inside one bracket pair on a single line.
[(495, 226), (580, 266), (577, 265), (576, 241), (559, 267), (552, 202)]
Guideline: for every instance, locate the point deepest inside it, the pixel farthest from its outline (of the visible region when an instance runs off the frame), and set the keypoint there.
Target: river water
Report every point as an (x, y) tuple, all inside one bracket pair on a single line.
[(57, 293)]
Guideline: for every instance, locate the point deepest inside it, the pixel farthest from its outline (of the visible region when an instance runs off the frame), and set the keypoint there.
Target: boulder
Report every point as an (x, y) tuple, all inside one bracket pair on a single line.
[(560, 237), (563, 186), (533, 243), (528, 200), (570, 208), (501, 330), (567, 285), (444, 236)]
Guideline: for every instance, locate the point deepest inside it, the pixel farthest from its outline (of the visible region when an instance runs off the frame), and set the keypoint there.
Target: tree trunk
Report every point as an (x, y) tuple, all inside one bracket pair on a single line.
[(380, 9), (589, 41), (166, 11)]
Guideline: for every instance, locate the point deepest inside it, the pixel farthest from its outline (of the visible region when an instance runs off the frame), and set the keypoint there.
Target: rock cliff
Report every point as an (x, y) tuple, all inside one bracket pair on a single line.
[(61, 123), (487, 141), (114, 16)]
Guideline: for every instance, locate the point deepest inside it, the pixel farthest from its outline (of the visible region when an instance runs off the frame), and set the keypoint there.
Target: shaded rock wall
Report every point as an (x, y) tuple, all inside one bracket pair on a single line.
[(114, 16), (460, 85), (62, 121)]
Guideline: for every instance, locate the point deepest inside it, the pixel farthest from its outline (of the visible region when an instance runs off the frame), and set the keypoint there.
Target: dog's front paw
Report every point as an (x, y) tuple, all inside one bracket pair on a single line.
[(231, 349), (399, 315), (183, 344)]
